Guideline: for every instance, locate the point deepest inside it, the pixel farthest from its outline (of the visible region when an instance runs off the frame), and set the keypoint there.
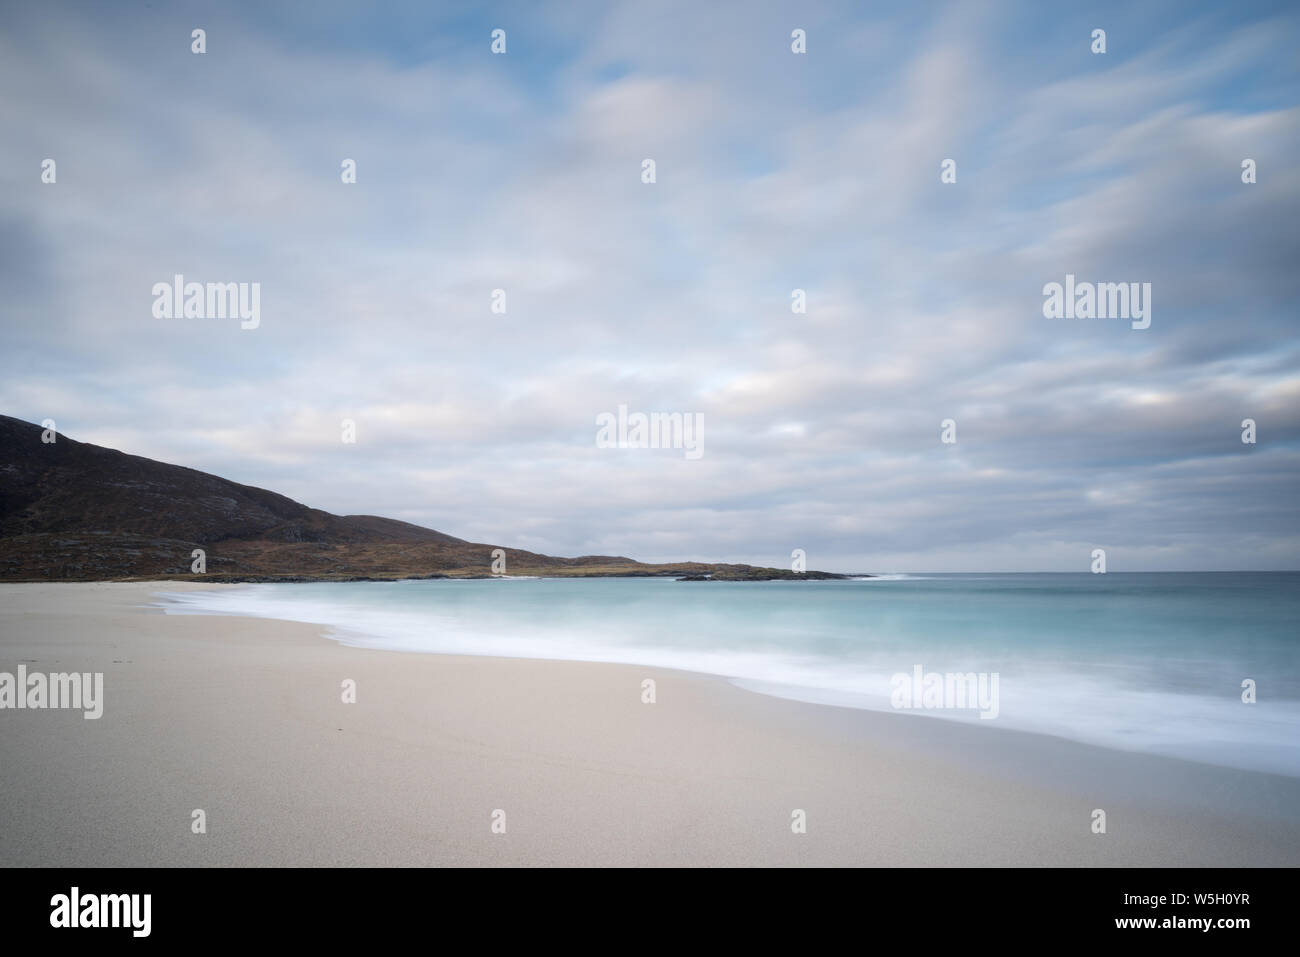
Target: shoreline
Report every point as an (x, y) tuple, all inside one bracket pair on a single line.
[(246, 722), (439, 576), (1074, 705)]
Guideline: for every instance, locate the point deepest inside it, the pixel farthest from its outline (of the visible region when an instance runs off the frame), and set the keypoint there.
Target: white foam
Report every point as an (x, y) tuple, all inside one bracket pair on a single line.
[(1057, 699)]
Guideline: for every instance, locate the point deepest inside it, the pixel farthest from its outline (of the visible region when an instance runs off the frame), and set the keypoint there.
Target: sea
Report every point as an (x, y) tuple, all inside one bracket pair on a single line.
[(1201, 666)]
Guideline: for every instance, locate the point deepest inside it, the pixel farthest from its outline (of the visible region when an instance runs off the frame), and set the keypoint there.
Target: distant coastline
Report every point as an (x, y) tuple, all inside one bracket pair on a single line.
[(72, 511)]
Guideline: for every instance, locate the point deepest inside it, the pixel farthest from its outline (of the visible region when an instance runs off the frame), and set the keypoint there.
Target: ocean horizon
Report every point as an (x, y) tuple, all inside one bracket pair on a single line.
[(1154, 662)]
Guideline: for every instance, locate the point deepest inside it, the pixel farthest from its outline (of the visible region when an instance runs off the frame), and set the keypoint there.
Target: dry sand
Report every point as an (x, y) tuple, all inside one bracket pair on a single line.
[(243, 718)]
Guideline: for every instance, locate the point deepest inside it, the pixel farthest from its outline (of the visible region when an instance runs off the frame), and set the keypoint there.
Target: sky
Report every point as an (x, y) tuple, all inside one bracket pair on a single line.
[(774, 171)]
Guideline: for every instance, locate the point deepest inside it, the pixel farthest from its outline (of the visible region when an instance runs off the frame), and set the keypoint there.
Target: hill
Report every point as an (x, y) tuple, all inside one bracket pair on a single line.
[(80, 512)]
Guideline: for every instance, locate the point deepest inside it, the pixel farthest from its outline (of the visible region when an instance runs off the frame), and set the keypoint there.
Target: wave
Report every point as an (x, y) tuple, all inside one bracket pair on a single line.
[(764, 642), (900, 577)]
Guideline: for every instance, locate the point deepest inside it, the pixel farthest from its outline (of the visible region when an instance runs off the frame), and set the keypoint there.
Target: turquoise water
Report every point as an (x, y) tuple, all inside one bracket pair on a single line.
[(1146, 662)]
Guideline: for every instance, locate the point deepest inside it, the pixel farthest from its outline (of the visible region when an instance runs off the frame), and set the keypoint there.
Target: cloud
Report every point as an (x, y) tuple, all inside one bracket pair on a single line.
[(775, 172)]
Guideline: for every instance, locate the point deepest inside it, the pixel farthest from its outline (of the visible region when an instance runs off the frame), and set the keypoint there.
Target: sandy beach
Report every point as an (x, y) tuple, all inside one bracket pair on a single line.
[(244, 719)]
